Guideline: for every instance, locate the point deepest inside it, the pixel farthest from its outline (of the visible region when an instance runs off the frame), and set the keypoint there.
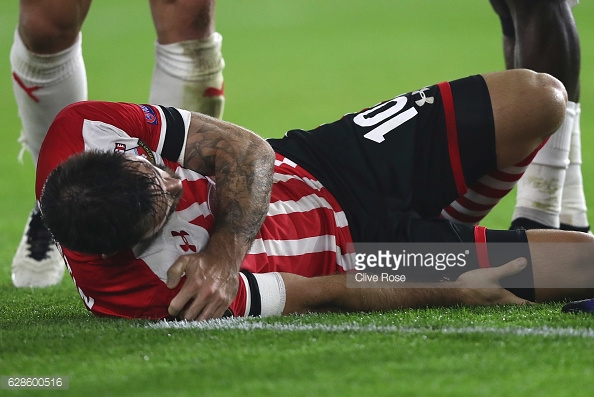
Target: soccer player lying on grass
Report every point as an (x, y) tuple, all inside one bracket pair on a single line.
[(156, 210)]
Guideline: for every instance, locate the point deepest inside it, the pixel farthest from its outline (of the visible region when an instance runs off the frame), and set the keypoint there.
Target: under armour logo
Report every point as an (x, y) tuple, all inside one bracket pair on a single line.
[(424, 98), (186, 246)]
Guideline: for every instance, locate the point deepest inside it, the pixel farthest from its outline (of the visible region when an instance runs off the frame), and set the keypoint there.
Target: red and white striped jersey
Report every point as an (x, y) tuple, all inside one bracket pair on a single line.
[(305, 231)]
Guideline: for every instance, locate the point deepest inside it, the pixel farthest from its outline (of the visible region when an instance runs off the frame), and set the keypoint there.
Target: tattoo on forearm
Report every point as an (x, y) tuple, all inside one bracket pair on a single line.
[(242, 166)]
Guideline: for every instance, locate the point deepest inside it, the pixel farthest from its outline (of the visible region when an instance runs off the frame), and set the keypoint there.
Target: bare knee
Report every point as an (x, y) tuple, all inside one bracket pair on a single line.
[(181, 20), (533, 102), (549, 99), (528, 107), (50, 26), (541, 97)]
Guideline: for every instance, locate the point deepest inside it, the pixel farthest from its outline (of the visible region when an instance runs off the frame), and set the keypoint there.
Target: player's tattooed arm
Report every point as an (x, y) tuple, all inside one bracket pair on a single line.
[(242, 166)]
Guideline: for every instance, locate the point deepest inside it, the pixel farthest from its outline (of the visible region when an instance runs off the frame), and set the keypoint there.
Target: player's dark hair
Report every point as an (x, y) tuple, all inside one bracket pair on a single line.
[(99, 203)]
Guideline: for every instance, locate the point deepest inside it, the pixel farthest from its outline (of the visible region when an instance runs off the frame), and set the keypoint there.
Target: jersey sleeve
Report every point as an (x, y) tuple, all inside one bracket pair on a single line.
[(119, 286), (124, 286), (154, 132)]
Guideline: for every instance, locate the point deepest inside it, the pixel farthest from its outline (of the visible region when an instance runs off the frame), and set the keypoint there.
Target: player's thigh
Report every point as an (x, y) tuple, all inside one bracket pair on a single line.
[(527, 107), (50, 26), (547, 40), (540, 19), (182, 20), (508, 29)]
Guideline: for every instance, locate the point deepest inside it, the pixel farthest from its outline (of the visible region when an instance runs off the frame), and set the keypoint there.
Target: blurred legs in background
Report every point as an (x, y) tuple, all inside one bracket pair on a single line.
[(542, 36), (48, 73)]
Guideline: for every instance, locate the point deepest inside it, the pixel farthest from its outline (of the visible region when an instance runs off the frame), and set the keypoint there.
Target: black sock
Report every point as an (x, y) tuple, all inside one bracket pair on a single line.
[(527, 224), (565, 226)]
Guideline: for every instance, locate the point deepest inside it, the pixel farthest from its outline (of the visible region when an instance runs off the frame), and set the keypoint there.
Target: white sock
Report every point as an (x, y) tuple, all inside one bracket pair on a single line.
[(574, 211), (189, 75), (541, 187), (43, 85)]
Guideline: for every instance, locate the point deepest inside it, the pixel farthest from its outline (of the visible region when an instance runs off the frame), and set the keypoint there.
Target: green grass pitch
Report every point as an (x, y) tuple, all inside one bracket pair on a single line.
[(293, 64)]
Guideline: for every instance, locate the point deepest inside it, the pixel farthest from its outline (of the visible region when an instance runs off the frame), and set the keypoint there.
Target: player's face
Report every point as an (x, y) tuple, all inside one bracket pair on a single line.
[(170, 184)]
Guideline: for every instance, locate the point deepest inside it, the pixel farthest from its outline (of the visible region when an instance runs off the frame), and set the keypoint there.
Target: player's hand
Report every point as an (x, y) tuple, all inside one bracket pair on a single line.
[(208, 290), (482, 287)]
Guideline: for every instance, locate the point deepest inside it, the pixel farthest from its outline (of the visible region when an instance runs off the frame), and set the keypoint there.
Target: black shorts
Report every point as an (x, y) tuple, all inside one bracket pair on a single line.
[(490, 248), (395, 166), (404, 159)]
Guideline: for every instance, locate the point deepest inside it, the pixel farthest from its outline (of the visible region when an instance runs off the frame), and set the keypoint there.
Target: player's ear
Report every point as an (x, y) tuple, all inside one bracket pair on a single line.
[(172, 185)]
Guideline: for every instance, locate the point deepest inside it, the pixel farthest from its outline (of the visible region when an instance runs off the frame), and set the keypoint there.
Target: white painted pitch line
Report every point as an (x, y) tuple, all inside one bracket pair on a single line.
[(243, 324)]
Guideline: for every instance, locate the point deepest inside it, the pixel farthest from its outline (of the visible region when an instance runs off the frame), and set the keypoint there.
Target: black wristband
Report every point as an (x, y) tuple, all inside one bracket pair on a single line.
[(175, 136), (256, 306)]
